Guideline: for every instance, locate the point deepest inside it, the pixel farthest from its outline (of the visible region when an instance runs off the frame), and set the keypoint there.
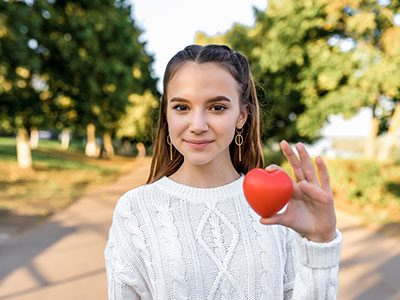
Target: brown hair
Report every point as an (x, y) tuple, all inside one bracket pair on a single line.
[(238, 67)]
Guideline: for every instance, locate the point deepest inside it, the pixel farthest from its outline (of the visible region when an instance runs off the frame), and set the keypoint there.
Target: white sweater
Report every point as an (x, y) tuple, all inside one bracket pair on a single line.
[(172, 241)]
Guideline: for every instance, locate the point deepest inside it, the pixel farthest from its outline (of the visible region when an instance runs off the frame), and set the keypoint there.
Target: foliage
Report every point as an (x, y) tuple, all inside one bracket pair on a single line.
[(138, 123), (79, 60), (366, 188), (317, 58), (19, 64)]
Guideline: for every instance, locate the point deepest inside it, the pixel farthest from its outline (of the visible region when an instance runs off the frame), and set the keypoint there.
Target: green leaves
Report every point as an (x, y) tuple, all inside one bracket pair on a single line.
[(82, 56)]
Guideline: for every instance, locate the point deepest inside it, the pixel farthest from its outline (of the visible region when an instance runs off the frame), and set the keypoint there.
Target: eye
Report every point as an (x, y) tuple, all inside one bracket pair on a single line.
[(219, 107), (179, 107)]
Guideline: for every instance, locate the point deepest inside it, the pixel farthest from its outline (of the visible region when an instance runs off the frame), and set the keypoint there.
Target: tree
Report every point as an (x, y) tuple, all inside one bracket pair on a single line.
[(138, 123), (94, 61), (316, 58), (69, 64), (20, 106)]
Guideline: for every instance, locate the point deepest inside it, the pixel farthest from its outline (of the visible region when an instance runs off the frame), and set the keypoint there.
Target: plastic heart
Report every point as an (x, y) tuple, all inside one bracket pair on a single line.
[(267, 192)]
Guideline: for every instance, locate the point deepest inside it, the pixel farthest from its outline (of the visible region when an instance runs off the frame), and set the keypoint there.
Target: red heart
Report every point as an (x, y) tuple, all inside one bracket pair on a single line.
[(267, 192)]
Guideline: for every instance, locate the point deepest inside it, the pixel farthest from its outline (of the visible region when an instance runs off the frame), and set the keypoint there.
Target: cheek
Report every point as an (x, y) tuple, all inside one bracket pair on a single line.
[(175, 124), (225, 127)]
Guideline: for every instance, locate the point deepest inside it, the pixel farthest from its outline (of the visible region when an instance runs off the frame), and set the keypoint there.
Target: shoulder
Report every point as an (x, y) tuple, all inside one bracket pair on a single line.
[(130, 201)]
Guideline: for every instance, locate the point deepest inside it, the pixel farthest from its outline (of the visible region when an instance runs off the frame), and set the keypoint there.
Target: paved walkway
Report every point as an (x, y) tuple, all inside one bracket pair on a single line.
[(62, 258)]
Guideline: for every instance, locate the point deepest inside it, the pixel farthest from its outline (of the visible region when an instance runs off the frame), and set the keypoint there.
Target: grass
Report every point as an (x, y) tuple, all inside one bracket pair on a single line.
[(57, 179)]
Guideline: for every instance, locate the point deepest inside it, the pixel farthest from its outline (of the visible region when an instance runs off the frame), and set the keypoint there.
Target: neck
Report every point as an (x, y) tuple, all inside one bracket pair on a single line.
[(205, 176)]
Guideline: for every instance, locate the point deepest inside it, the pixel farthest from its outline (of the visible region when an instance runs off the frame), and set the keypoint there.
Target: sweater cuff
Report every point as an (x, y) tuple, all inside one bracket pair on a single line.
[(319, 255)]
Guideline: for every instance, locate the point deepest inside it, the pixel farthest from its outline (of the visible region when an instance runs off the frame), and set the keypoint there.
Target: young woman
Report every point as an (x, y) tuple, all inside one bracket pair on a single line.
[(189, 233)]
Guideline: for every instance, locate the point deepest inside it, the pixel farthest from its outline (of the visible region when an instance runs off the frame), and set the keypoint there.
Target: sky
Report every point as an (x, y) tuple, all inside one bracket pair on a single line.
[(170, 25)]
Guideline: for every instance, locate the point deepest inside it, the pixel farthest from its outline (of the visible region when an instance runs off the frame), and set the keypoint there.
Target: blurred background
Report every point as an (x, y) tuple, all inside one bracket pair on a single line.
[(80, 83)]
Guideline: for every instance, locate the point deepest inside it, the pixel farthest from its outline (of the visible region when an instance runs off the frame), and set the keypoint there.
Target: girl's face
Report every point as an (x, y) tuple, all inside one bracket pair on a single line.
[(203, 112)]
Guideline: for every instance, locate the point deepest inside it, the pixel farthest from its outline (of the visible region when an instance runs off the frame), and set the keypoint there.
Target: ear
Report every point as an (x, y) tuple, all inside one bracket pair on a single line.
[(242, 117)]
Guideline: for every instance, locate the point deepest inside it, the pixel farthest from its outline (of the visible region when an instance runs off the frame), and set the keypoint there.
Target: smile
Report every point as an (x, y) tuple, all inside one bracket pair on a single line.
[(198, 145)]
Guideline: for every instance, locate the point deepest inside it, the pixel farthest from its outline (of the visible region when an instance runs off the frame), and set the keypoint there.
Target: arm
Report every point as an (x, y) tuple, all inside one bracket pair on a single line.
[(123, 254), (117, 290), (311, 270), (313, 252)]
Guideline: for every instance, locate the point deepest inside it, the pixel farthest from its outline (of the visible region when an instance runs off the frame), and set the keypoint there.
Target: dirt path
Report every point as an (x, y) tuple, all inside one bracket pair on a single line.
[(62, 258)]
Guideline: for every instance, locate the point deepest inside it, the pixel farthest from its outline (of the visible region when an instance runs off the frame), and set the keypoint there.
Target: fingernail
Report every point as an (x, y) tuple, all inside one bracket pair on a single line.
[(271, 168)]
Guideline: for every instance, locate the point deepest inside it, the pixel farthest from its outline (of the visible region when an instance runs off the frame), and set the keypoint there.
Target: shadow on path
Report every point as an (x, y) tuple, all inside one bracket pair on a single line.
[(62, 257)]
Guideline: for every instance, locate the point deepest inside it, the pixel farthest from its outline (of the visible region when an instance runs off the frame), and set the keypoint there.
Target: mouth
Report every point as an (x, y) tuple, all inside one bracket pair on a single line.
[(198, 144), (198, 141)]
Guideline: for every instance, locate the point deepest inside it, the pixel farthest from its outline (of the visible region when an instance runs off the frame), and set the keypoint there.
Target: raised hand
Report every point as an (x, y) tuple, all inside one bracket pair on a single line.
[(311, 210)]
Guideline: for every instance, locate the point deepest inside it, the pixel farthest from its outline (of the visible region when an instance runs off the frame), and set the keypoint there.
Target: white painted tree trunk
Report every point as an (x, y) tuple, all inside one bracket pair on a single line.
[(108, 146), (91, 149), (141, 150), (34, 140), (370, 147), (24, 155), (65, 138), (392, 135)]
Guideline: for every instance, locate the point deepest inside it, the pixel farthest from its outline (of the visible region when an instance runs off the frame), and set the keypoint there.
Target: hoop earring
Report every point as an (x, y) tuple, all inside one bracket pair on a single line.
[(239, 141), (170, 147)]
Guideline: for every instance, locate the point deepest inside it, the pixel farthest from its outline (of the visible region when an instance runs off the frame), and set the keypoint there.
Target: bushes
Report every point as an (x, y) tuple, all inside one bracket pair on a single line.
[(364, 187), (362, 182), (367, 188)]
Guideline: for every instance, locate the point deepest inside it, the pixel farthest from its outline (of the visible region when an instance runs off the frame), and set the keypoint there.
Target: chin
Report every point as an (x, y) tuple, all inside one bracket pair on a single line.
[(198, 161)]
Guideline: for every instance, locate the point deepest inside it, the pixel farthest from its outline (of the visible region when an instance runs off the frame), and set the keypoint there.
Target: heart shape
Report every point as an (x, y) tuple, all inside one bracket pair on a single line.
[(267, 192)]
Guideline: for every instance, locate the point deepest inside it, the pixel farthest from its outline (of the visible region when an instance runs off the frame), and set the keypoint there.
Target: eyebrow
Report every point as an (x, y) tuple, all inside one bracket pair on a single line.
[(213, 99)]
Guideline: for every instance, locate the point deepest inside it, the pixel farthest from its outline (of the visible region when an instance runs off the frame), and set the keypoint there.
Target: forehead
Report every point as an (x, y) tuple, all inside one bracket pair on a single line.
[(202, 80)]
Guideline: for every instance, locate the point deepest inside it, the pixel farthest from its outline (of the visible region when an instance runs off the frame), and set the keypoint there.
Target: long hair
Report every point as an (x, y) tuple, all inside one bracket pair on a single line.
[(237, 65)]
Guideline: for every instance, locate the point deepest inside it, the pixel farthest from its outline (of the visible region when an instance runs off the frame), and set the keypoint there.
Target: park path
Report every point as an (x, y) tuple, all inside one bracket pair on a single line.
[(62, 258)]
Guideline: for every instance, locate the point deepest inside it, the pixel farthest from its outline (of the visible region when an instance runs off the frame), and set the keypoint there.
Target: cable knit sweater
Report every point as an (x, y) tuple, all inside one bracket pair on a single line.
[(172, 241)]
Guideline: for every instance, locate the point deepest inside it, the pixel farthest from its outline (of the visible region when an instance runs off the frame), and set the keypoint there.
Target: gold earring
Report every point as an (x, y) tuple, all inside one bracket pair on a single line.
[(239, 141), (170, 147)]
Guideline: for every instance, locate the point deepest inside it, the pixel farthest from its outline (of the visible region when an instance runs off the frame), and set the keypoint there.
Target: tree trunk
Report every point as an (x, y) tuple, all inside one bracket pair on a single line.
[(34, 140), (24, 155), (394, 130), (91, 149), (108, 146), (65, 138), (370, 146), (141, 150), (126, 148)]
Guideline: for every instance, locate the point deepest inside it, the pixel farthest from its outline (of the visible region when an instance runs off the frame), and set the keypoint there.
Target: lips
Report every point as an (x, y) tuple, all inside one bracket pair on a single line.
[(198, 144), (199, 141)]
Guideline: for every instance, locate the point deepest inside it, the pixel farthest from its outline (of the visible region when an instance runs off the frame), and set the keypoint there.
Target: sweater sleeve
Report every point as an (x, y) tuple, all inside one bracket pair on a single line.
[(117, 289), (125, 274), (311, 270)]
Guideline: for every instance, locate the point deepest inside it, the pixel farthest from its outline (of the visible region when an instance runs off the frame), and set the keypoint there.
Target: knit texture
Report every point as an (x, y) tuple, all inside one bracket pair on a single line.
[(172, 241)]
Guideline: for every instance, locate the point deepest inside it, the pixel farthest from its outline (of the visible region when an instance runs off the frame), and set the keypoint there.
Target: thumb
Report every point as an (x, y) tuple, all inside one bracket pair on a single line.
[(272, 168), (277, 219)]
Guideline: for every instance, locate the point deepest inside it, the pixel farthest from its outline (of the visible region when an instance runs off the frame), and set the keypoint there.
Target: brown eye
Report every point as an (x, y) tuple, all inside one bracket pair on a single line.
[(179, 107), (219, 107)]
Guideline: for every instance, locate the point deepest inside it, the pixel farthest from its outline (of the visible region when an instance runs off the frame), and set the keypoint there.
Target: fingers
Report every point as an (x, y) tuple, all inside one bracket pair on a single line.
[(323, 174), (293, 160), (308, 166), (304, 168)]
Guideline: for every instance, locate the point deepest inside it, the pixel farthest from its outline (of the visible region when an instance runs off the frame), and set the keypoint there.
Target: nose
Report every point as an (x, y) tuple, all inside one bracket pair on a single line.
[(199, 122)]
